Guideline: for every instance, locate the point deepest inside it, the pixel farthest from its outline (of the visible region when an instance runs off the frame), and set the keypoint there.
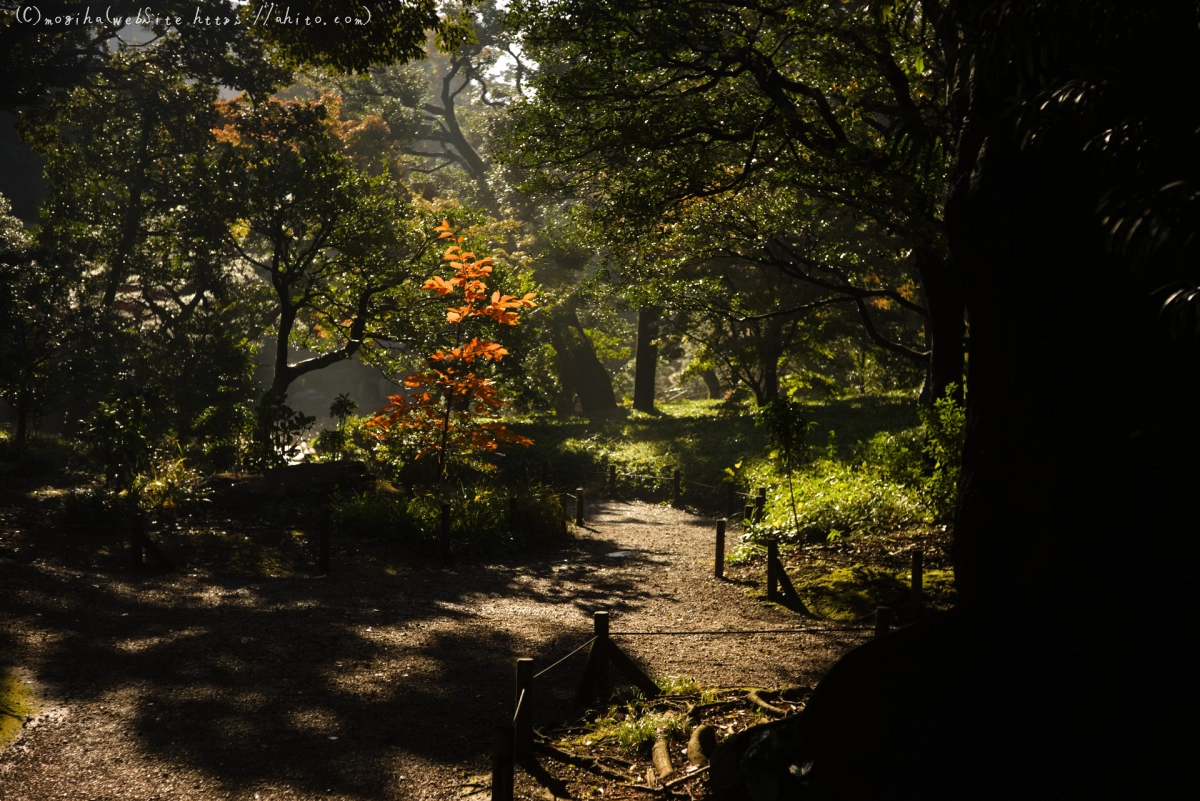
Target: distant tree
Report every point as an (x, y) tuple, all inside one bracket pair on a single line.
[(335, 243)]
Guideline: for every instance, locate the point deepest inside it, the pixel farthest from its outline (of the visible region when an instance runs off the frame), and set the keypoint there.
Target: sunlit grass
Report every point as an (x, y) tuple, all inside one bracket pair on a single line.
[(631, 728)]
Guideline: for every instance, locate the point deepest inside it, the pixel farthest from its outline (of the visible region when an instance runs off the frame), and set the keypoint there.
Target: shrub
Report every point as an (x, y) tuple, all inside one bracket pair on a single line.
[(170, 483), (833, 500), (926, 459), (945, 429), (478, 516)]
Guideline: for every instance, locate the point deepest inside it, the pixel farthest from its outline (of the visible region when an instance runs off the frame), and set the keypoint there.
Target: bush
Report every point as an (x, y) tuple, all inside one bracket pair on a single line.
[(170, 483), (926, 459), (478, 517), (834, 500), (945, 429)]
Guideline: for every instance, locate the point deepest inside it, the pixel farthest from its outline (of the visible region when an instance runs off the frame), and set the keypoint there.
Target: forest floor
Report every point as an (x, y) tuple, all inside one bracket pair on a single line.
[(198, 685)]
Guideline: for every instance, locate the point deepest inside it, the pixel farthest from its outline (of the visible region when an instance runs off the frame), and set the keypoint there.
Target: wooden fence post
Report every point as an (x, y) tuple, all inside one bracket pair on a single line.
[(612, 481), (579, 506), (747, 516), (323, 542), (719, 561), (773, 593), (918, 580), (502, 763), (760, 503), (883, 621), (676, 482), (445, 530), (600, 629), (523, 719)]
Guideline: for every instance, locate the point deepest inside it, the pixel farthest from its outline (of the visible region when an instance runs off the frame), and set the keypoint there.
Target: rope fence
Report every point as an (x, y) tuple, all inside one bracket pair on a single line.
[(513, 743)]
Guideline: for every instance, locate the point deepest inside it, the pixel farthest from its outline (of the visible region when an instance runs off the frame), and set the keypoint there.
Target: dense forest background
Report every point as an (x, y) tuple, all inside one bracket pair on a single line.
[(224, 247)]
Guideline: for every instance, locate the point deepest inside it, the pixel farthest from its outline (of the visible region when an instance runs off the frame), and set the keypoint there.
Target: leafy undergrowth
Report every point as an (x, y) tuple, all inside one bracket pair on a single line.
[(609, 754)]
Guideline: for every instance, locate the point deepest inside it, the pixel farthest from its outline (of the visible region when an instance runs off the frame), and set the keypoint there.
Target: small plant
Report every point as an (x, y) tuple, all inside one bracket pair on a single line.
[(278, 433), (945, 429), (787, 430), (334, 441), (632, 728), (170, 483)]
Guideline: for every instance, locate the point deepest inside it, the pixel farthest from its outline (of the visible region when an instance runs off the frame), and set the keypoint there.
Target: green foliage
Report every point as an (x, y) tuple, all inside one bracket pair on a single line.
[(925, 459), (632, 727), (40, 456), (834, 500), (945, 430), (278, 433), (787, 427), (787, 432), (701, 437), (119, 439), (171, 483), (342, 407), (224, 438)]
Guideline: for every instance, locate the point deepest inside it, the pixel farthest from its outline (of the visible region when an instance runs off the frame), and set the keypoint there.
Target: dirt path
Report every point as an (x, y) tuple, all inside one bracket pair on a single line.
[(341, 688)]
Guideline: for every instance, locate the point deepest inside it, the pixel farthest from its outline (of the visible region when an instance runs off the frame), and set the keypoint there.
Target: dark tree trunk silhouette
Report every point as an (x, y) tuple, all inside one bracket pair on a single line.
[(946, 328), (1079, 464), (645, 371), (581, 368)]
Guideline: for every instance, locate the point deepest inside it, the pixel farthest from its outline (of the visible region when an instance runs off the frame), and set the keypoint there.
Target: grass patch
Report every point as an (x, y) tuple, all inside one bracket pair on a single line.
[(632, 728), (16, 703), (850, 593), (834, 500)]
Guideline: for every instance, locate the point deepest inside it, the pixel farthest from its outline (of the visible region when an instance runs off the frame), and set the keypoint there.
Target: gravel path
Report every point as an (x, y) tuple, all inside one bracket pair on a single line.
[(340, 688)]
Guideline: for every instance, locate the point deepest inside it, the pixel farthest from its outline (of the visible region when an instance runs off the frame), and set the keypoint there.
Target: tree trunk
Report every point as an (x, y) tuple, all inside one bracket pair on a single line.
[(645, 371), (1076, 497), (713, 383), (583, 369), (946, 301)]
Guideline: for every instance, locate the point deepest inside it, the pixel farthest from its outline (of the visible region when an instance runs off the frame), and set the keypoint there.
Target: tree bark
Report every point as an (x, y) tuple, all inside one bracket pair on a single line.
[(946, 301), (645, 371), (582, 368)]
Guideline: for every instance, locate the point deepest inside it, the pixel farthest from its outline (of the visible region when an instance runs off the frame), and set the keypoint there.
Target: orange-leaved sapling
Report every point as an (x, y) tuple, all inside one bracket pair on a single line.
[(451, 410)]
